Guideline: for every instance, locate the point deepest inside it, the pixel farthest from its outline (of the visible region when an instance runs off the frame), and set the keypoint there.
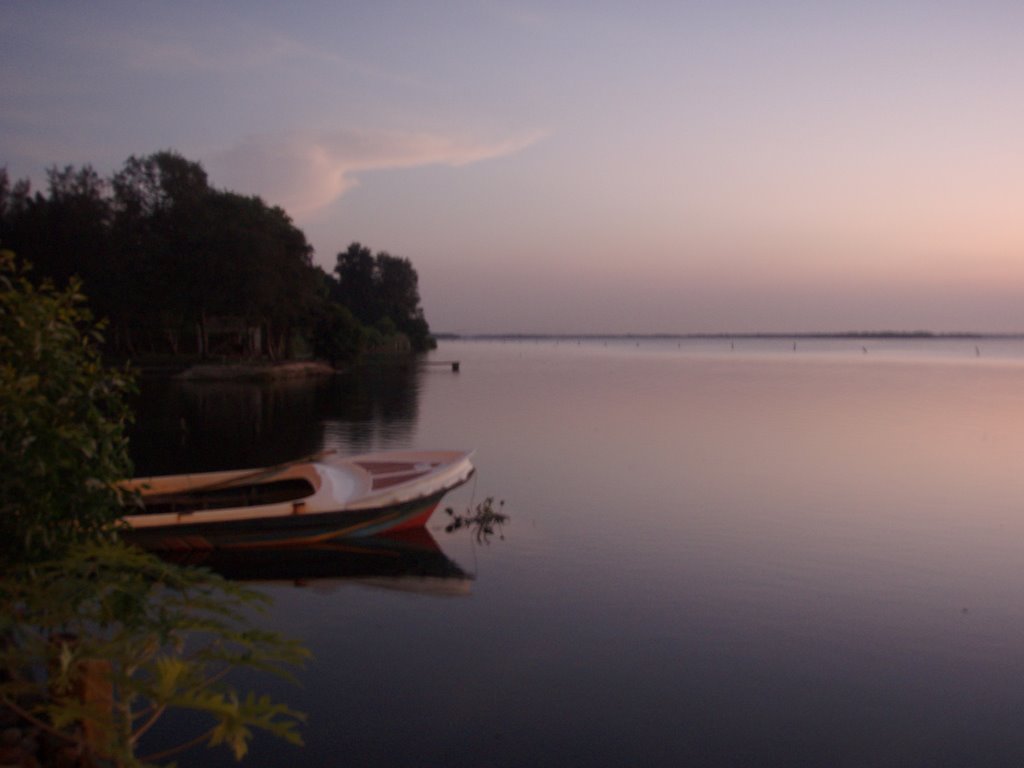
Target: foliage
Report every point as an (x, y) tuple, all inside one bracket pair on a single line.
[(167, 635), (97, 639), (355, 271), (163, 255), (337, 335), (382, 289), (220, 253), (62, 420), (160, 252), (482, 520)]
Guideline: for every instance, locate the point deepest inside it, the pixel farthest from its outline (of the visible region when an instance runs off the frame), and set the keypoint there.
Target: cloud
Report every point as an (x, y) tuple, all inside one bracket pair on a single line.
[(173, 56), (306, 173)]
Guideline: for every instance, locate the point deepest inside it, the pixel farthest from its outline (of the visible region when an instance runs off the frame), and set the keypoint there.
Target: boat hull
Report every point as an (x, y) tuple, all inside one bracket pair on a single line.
[(294, 530)]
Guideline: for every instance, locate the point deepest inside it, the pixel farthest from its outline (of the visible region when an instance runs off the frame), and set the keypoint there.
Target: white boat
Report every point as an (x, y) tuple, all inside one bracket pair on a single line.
[(296, 504)]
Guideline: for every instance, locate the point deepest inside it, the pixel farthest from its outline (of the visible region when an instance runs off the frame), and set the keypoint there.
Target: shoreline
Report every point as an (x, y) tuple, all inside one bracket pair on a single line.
[(855, 335), (254, 371)]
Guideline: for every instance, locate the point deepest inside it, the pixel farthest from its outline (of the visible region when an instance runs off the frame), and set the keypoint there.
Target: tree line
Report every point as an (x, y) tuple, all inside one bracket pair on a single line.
[(179, 267)]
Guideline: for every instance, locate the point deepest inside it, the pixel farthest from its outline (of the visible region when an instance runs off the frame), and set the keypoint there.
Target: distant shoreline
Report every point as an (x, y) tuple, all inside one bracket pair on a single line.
[(248, 371), (909, 335)]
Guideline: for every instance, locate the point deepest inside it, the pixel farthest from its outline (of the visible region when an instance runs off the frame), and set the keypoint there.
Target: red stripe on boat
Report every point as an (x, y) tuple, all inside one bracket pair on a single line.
[(418, 521)]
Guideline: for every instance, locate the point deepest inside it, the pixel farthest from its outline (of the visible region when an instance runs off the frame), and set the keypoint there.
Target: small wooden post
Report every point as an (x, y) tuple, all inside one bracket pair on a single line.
[(96, 690), (92, 686)]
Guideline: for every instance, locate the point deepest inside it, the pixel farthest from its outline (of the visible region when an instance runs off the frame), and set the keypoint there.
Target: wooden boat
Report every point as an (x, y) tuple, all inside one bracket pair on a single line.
[(297, 504)]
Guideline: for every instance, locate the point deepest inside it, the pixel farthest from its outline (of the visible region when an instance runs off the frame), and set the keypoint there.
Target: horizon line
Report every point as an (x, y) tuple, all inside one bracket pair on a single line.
[(743, 335)]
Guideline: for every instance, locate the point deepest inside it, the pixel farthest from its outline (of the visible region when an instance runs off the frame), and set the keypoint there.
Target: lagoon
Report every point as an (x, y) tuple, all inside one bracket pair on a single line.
[(720, 552)]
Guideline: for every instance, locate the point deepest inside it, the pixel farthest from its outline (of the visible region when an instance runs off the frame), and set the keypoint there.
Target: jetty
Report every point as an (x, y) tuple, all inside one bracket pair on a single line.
[(453, 363)]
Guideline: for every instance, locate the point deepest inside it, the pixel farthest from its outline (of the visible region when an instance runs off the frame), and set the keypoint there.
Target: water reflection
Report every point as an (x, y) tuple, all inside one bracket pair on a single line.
[(203, 426), (733, 558), (410, 561), (373, 407)]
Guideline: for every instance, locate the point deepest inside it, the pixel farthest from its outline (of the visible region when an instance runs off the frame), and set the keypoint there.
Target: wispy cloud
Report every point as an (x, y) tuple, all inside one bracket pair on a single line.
[(305, 173), (251, 50), (190, 54)]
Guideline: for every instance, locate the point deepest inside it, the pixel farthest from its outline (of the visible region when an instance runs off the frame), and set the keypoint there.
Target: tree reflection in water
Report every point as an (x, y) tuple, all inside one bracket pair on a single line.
[(373, 407), (203, 426)]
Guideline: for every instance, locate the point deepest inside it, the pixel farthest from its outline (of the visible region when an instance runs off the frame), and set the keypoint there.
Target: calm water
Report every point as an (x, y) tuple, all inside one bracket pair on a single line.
[(718, 555)]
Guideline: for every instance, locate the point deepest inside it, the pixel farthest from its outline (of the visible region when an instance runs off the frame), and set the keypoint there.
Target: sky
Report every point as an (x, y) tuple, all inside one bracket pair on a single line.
[(578, 166)]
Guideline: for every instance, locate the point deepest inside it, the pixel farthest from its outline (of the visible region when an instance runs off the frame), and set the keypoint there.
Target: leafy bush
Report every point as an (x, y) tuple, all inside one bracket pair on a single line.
[(337, 336), (124, 637), (62, 420), (98, 639)]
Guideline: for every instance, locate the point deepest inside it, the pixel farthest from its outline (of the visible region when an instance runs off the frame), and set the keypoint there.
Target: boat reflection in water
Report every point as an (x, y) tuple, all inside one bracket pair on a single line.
[(408, 561)]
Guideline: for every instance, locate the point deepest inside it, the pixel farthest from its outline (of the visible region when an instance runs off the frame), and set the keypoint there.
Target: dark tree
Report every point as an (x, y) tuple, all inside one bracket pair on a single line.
[(160, 183), (398, 289), (175, 264), (337, 336), (260, 265), (159, 202), (65, 233), (382, 291), (224, 255), (356, 271)]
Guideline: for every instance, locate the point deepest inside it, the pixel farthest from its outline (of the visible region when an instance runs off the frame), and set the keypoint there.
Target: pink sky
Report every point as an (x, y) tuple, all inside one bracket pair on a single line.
[(656, 167)]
